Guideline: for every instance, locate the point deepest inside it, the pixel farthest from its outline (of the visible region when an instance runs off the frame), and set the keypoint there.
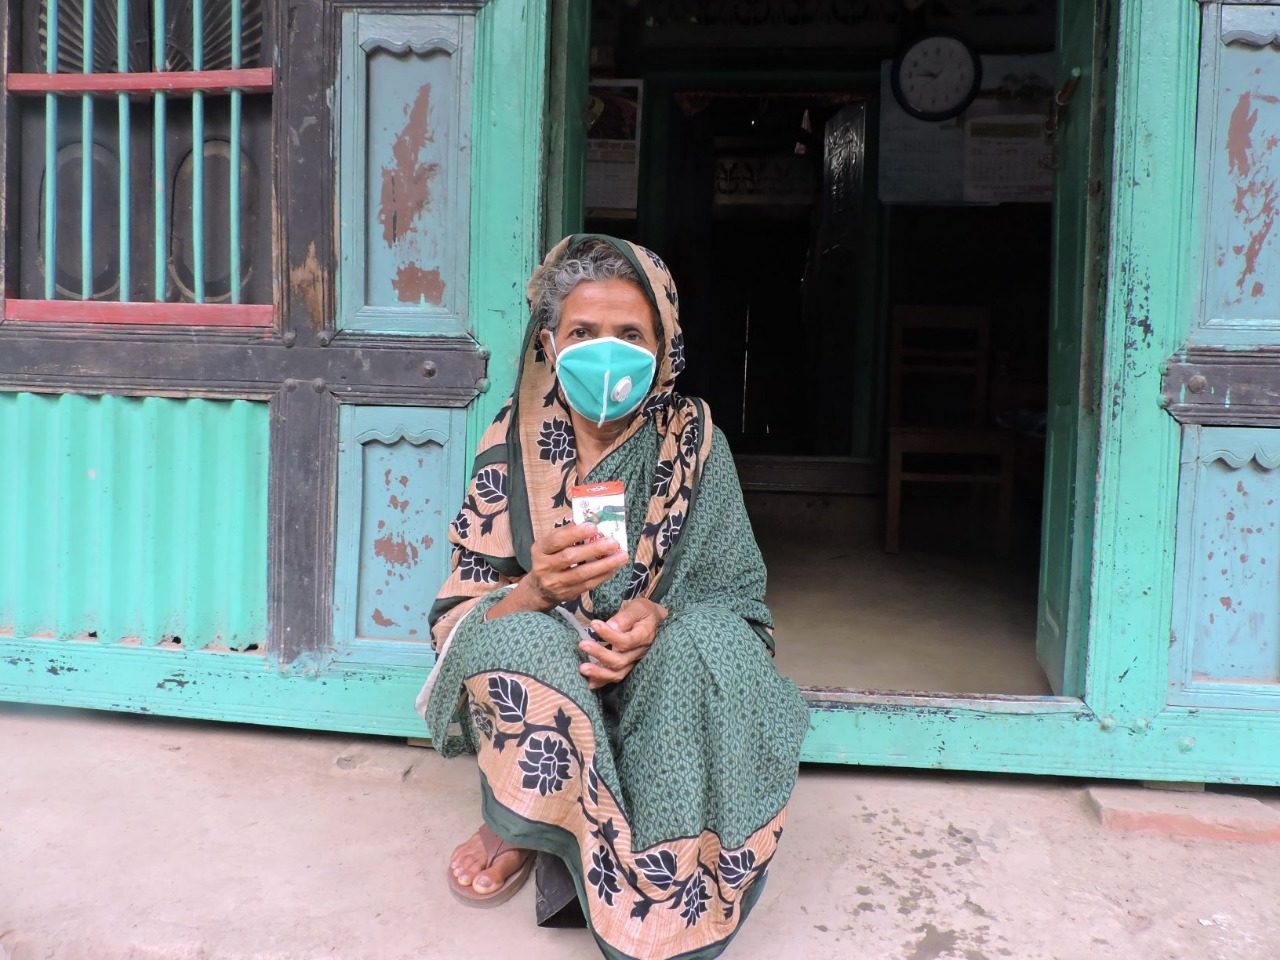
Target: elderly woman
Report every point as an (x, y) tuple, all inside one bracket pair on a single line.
[(624, 708)]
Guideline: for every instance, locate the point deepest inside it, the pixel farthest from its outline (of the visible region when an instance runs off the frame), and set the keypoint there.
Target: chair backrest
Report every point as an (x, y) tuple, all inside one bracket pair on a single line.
[(939, 343)]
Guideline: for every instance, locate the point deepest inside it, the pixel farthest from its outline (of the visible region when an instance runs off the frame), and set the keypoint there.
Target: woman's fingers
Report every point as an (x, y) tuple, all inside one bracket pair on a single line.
[(564, 567), (599, 675), (635, 612), (586, 576), (615, 638), (586, 552), (611, 659), (638, 636), (562, 538)]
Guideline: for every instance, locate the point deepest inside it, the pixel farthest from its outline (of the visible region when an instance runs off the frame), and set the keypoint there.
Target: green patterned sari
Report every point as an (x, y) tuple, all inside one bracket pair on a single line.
[(665, 795)]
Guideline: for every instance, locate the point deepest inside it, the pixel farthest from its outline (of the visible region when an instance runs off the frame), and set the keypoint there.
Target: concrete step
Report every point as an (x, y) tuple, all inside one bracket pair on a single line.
[(1204, 816)]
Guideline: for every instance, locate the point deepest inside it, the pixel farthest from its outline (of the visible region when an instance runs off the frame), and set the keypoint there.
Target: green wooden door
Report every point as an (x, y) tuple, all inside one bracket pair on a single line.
[(1072, 412), (248, 522), (1223, 385)]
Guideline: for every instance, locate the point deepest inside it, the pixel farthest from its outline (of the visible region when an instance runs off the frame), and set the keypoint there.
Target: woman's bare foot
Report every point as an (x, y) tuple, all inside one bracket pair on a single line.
[(468, 865)]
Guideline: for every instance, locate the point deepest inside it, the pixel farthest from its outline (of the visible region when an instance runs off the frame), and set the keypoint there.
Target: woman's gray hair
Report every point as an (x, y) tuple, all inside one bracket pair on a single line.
[(594, 260)]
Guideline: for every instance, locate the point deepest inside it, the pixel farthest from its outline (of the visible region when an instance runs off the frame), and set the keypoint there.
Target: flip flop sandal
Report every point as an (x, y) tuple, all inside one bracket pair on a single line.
[(494, 847)]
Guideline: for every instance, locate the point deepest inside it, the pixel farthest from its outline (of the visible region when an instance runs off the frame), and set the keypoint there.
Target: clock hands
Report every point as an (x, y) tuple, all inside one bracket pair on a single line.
[(936, 77)]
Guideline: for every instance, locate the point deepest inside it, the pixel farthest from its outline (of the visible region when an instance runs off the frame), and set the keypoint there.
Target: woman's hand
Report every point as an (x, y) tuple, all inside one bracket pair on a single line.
[(564, 564), (630, 632)]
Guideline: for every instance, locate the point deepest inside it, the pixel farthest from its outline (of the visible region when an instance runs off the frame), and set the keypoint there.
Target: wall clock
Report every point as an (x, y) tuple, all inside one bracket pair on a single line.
[(936, 77)]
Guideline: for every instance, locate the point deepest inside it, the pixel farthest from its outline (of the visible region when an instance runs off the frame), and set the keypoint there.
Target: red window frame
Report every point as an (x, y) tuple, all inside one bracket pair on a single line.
[(253, 80)]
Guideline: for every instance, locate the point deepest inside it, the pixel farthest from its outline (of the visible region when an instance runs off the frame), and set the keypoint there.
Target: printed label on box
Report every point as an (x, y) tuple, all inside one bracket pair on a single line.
[(602, 504)]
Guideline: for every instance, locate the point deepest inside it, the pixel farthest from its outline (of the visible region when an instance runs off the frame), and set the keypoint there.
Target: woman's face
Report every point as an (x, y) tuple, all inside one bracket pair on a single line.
[(605, 308)]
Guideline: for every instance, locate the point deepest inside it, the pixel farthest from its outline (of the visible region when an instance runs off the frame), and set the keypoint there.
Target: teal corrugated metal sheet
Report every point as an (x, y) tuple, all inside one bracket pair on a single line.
[(138, 519)]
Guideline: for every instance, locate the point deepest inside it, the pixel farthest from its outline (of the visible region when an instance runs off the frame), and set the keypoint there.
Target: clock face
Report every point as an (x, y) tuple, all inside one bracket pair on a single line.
[(936, 77)]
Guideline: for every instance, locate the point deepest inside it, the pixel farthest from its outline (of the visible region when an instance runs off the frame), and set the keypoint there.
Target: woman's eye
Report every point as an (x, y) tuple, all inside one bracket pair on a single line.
[(633, 336)]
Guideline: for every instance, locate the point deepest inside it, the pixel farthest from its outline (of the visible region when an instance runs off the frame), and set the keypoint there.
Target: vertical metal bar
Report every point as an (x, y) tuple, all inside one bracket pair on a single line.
[(126, 162), (51, 157), (161, 47), (197, 153), (86, 163), (234, 160)]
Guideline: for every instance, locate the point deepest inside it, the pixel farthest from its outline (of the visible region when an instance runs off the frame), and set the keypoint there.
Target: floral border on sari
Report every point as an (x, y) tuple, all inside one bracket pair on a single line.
[(677, 897)]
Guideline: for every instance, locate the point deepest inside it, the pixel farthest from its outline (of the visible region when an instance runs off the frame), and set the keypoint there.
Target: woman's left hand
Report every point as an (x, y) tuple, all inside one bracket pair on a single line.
[(630, 632)]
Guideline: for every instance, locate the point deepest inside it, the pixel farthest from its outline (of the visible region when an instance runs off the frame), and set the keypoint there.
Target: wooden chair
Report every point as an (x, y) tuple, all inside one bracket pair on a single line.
[(945, 345)]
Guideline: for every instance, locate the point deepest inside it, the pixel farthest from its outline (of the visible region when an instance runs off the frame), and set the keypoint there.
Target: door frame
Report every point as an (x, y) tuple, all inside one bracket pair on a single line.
[(1062, 602), (1122, 725), (859, 472)]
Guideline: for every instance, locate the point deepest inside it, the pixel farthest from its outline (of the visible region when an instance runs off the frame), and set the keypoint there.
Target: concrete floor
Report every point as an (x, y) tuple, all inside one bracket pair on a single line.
[(943, 615), (139, 838)]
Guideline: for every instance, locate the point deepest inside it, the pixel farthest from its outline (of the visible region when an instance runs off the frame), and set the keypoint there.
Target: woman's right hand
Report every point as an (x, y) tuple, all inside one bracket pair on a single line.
[(569, 561), (564, 564)]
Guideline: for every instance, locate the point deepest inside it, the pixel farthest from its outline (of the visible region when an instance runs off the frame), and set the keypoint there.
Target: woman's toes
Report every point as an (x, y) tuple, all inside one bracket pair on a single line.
[(498, 872), (466, 862)]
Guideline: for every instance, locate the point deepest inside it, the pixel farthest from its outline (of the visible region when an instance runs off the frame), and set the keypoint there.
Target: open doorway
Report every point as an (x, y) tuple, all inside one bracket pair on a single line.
[(872, 336)]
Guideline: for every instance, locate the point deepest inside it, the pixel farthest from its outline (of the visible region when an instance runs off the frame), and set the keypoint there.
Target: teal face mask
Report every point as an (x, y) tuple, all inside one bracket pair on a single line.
[(606, 378)]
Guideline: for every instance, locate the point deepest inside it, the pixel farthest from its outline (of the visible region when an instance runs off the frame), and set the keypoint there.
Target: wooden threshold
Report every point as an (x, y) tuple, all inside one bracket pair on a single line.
[(843, 698)]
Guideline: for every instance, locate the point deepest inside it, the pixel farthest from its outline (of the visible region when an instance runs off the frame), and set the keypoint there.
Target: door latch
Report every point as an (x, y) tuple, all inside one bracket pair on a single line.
[(1060, 100), (1057, 106)]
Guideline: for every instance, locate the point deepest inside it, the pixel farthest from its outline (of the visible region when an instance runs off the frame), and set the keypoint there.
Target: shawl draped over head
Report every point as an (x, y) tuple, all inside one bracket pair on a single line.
[(526, 462)]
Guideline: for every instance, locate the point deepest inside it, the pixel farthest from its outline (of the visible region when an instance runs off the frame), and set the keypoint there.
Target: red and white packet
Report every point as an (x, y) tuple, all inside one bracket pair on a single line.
[(605, 506)]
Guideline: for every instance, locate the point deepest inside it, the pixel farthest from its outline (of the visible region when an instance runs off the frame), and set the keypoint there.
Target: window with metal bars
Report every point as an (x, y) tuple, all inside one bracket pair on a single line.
[(141, 161)]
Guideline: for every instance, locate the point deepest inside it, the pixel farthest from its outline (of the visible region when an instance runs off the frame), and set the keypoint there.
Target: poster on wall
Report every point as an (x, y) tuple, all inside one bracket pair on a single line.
[(613, 146), (1007, 160), (920, 162), (994, 152)]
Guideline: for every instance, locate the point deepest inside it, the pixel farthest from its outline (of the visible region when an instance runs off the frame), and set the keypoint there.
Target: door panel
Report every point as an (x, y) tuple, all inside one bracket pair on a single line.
[(1224, 386), (404, 180), (1226, 628), (1240, 128), (1070, 415), (399, 473)]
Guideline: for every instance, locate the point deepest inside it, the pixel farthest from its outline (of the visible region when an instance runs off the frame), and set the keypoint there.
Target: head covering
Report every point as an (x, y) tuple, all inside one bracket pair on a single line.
[(526, 462)]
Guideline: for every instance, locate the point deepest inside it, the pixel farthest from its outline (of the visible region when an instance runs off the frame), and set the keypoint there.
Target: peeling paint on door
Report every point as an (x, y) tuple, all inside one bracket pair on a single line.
[(393, 552), (1227, 628), (404, 184), (1241, 105), (406, 181), (1255, 186), (414, 284)]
